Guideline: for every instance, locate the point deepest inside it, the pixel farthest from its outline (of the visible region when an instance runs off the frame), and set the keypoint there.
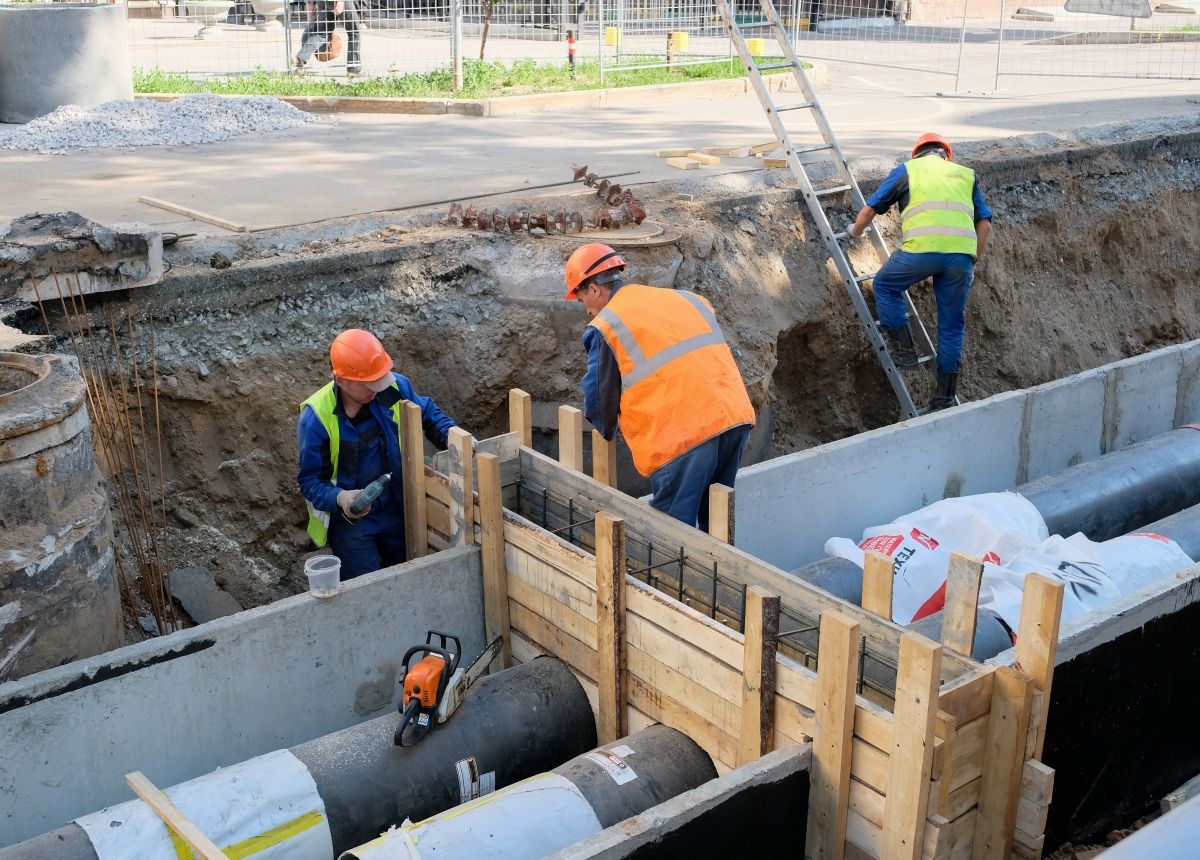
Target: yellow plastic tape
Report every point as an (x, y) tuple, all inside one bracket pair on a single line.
[(255, 844)]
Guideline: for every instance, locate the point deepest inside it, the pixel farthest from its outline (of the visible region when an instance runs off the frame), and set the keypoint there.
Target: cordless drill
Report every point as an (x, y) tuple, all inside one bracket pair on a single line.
[(369, 494)]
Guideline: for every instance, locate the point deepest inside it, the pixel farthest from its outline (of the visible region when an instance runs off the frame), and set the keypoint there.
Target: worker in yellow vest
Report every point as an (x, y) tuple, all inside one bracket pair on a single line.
[(945, 225), (349, 435), (658, 365)]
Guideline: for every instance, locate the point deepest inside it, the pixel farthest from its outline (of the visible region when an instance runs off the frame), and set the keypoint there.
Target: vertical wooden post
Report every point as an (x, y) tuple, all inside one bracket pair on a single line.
[(833, 738), (1003, 757), (721, 512), (416, 528), (1037, 643), (610, 627), (604, 459), (877, 584), (962, 602), (761, 627), (491, 542), (520, 415), (570, 437), (917, 681), (462, 487)]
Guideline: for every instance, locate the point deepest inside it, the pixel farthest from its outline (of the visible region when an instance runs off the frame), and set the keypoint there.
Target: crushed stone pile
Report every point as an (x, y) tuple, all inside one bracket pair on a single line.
[(190, 119)]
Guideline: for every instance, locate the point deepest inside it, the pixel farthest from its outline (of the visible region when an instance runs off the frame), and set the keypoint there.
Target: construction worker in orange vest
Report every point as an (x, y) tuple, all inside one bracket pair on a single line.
[(659, 366)]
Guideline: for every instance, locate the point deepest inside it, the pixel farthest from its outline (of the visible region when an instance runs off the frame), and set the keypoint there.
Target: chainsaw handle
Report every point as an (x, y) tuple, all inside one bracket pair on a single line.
[(408, 717), (444, 639)]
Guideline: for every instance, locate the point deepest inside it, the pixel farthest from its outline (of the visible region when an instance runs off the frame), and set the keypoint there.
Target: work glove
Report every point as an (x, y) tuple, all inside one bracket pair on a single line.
[(345, 498)]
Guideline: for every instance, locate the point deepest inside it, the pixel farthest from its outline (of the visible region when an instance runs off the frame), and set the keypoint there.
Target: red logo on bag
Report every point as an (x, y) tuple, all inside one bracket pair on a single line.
[(1150, 535), (923, 539), (885, 544), (991, 558)]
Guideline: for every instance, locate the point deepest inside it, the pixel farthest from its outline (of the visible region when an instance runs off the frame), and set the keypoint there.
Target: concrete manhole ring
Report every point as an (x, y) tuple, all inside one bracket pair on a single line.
[(644, 235)]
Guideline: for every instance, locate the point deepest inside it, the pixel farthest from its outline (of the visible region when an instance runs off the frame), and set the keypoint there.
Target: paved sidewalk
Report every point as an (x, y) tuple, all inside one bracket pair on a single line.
[(346, 164)]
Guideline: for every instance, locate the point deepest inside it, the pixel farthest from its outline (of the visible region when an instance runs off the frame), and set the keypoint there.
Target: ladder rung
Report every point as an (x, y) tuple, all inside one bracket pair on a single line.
[(800, 106), (837, 189), (820, 148), (925, 359), (858, 279), (769, 66), (837, 237)]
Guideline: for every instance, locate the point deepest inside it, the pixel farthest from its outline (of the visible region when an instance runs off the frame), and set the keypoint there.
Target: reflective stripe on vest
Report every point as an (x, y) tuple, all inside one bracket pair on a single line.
[(679, 383), (940, 216), (323, 403)]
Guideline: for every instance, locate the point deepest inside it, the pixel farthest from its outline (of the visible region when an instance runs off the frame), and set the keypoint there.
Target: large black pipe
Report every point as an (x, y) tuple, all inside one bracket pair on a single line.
[(516, 723), (1183, 528)]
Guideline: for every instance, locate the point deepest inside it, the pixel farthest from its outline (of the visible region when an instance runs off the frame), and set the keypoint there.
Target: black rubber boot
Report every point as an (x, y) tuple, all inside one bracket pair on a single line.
[(947, 387), (901, 346)]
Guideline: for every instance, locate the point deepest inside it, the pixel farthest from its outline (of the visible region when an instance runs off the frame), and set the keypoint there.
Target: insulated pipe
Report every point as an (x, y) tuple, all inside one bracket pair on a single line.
[(551, 811), (1183, 528), (330, 794)]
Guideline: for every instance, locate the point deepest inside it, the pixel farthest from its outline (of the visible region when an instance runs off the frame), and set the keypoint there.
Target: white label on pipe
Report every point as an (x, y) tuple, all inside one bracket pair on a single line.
[(468, 779), (272, 798), (616, 766), (487, 782), (622, 750)]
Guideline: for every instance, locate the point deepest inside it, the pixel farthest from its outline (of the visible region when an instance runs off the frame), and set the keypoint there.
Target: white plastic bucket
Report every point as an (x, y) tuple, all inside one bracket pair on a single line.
[(324, 572)]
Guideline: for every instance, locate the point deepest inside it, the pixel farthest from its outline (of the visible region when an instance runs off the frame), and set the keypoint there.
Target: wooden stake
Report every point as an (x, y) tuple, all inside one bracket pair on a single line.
[(877, 584), (194, 214), (761, 627), (1037, 642), (604, 459), (416, 524), (962, 603), (611, 723), (175, 820), (721, 512), (570, 437), (462, 486), (1003, 755), (495, 567), (917, 680), (520, 415), (833, 736)]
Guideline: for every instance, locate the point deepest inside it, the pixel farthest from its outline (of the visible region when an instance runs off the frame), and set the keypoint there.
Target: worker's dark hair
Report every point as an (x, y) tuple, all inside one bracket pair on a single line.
[(931, 147), (606, 277)]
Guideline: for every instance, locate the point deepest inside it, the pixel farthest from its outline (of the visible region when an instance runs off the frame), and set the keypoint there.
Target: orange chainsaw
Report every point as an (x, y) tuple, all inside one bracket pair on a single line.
[(434, 686)]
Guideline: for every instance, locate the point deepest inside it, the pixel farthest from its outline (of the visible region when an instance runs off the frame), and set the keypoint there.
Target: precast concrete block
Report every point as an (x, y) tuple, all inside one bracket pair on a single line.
[(1187, 390), (1140, 397), (1063, 425)]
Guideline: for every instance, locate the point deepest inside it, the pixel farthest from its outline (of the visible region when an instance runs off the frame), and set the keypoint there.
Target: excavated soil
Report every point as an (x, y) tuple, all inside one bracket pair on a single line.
[(1092, 259)]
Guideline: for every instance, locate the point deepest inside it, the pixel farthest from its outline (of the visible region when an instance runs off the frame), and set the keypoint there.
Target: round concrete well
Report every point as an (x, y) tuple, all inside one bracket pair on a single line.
[(54, 54), (59, 599)]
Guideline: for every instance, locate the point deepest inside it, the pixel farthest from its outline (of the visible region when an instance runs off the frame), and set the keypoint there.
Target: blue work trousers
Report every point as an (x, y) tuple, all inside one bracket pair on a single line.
[(951, 275), (681, 486), (375, 541)]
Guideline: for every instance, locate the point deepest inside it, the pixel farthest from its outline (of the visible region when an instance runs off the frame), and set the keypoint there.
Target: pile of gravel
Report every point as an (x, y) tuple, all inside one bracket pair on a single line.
[(199, 118)]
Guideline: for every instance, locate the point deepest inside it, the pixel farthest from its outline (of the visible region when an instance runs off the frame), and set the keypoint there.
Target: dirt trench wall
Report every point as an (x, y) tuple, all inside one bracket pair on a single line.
[(1092, 259)]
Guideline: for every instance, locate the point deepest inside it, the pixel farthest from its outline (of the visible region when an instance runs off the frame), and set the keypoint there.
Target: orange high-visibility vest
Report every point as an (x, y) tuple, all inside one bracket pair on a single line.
[(679, 383)]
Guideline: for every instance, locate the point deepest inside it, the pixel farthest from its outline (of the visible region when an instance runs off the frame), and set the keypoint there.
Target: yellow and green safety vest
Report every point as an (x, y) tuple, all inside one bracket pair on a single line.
[(323, 403), (940, 216)]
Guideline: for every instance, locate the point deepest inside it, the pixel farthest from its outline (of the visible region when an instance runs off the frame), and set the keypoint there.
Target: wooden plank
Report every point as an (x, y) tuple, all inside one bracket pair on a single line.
[(551, 549), (967, 753), (175, 820), (689, 660), (553, 639), (415, 524), (1037, 642), (721, 512), (882, 635), (683, 163), (676, 152), (579, 626), (604, 459), (761, 622), (1028, 848), (911, 751), (553, 582), (759, 148), (717, 150), (684, 623), (767, 161), (657, 676), (946, 728), (610, 626), (570, 438), (195, 214), (1003, 757), (962, 602), (878, 579), (1031, 818), (437, 517), (968, 697), (1036, 715), (864, 832), (704, 158), (437, 488), (666, 709), (491, 542), (436, 541), (1037, 782), (833, 738), (963, 799), (520, 415), (461, 446)]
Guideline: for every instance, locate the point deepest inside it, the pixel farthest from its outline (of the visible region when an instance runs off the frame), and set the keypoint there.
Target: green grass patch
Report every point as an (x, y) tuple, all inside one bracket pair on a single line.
[(481, 79)]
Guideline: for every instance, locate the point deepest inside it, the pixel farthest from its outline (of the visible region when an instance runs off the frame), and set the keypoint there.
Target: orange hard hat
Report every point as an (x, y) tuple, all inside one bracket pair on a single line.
[(587, 261), (358, 355), (933, 137)]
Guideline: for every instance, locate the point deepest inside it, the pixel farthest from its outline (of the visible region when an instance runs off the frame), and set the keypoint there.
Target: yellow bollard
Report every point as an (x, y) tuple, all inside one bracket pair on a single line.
[(756, 47), (612, 36), (680, 40)]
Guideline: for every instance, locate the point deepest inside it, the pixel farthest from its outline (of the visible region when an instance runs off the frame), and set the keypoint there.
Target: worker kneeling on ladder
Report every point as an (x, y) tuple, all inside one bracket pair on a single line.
[(658, 364), (945, 225), (349, 440)]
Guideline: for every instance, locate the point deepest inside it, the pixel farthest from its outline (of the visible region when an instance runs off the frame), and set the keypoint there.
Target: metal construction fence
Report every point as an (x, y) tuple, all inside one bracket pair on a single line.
[(1093, 38)]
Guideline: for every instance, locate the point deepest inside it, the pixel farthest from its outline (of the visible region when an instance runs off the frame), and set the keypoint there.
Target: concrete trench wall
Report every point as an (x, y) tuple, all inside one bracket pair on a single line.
[(181, 705), (789, 506)]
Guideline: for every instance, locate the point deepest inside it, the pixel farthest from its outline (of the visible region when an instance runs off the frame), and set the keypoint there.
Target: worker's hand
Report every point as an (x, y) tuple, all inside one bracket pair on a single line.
[(850, 232), (345, 499)]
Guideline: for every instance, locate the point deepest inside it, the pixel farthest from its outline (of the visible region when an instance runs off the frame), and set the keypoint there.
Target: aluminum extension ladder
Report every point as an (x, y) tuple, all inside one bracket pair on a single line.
[(815, 197)]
